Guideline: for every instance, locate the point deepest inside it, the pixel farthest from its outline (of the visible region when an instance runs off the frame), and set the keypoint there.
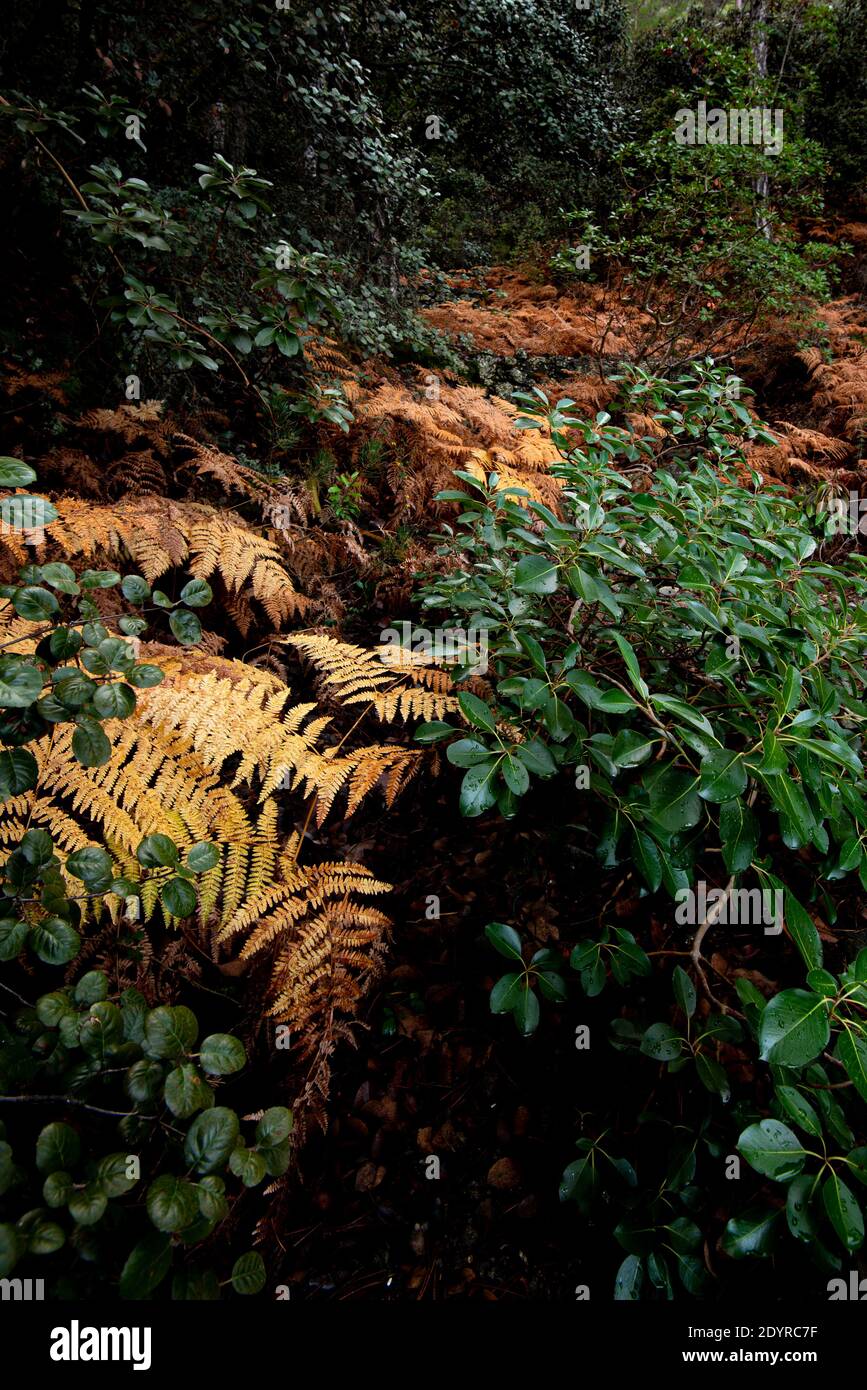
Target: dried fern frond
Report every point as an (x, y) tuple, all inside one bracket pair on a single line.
[(812, 358), (50, 384), (151, 784), (326, 357), (455, 425), (207, 462), (807, 443), (246, 716), (159, 534), (387, 679), (165, 775), (326, 947)]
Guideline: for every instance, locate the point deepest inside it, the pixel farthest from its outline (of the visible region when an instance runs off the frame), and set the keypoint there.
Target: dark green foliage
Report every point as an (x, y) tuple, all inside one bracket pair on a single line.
[(126, 1208), (689, 657)]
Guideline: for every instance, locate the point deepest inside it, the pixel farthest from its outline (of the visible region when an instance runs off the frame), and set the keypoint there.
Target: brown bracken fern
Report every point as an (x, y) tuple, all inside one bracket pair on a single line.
[(394, 685), (179, 766), (326, 948)]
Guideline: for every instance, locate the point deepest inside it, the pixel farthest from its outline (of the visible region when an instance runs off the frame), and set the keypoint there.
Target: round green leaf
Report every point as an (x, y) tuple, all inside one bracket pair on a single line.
[(11, 1248), (35, 603), (92, 988), (19, 772), (72, 688), (196, 594), (93, 866), (14, 473), (248, 1274), (211, 1198), (98, 579), (112, 1174), (210, 1139), (43, 1236), (51, 1008), (90, 745), (170, 1031), (60, 577), (114, 701), (187, 1091), (13, 935), (57, 1148), (157, 851), (247, 1165), (57, 1189), (185, 626), (20, 683), (146, 1266), (202, 856), (221, 1054), (144, 1080), (64, 642), (144, 676), (178, 897), (88, 1205), (54, 941), (135, 589), (101, 1029), (171, 1203), (274, 1127)]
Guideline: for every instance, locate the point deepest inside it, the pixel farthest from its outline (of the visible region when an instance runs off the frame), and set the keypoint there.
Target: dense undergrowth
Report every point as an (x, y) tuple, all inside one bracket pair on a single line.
[(434, 535)]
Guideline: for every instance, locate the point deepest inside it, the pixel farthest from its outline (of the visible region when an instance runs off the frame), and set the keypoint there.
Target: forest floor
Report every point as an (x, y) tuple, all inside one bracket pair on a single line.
[(435, 1076), (446, 1133)]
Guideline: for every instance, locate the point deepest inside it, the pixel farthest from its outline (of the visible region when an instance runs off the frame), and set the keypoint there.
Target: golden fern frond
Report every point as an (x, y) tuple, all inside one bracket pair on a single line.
[(151, 784), (325, 946), (237, 714), (128, 421), (804, 442), (812, 358), (159, 534), (164, 776), (207, 462), (386, 678), (241, 557)]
